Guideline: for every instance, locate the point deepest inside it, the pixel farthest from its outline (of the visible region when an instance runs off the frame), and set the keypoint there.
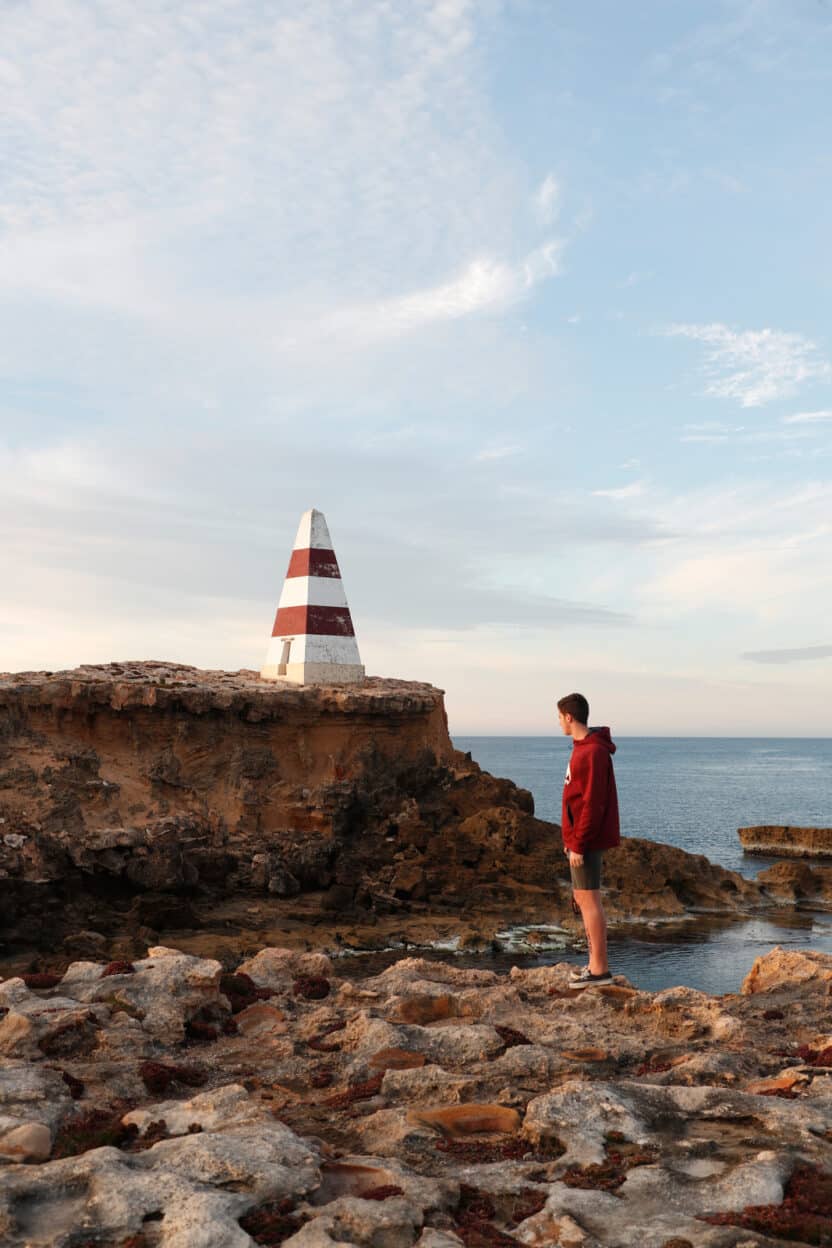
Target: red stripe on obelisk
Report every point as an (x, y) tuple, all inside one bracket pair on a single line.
[(313, 621), (311, 562)]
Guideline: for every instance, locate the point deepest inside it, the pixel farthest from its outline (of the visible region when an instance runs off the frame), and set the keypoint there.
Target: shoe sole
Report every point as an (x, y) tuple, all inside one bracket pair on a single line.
[(577, 985)]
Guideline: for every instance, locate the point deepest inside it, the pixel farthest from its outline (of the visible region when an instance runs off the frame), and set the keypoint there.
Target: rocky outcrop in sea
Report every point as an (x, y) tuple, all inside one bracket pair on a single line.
[(787, 842)]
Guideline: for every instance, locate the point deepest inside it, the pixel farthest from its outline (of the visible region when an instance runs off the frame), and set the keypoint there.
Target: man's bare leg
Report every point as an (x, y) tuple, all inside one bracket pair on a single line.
[(595, 926)]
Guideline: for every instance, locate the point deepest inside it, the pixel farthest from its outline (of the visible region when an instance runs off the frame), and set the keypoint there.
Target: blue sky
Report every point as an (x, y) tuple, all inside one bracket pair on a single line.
[(531, 299)]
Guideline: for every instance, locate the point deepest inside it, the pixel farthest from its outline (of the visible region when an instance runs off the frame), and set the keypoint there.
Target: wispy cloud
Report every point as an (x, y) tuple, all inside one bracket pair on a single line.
[(500, 451), (808, 418), (486, 283), (800, 654), (755, 366), (634, 490), (546, 200), (717, 432)]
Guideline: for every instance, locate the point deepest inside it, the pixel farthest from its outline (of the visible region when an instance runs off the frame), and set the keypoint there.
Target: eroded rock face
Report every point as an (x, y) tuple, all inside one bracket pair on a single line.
[(645, 879), (537, 1117), (787, 841), (798, 882), (132, 796)]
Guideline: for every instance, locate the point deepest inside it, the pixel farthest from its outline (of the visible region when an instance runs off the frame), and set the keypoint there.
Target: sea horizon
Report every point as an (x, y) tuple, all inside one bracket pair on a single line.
[(641, 736)]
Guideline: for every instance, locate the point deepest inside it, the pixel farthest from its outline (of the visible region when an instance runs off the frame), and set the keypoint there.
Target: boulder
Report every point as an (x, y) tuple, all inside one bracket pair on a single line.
[(784, 969)]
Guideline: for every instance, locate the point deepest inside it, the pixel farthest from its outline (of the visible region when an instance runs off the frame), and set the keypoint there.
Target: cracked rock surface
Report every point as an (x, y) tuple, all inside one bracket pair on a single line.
[(169, 1103)]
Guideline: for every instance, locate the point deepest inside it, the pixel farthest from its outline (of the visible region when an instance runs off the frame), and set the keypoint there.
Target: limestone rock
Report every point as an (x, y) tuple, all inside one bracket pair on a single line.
[(30, 1141), (423, 1086), (165, 991), (221, 1108), (507, 1128), (277, 968), (794, 842), (798, 882), (781, 969)]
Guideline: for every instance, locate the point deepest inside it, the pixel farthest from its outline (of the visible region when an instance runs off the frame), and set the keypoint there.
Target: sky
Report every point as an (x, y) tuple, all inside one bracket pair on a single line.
[(532, 299)]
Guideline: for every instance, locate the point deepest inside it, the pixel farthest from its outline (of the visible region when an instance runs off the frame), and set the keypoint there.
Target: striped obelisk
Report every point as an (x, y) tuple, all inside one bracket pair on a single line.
[(313, 640)]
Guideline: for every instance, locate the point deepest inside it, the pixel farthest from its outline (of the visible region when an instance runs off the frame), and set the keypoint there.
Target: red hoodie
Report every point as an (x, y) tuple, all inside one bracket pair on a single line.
[(590, 800)]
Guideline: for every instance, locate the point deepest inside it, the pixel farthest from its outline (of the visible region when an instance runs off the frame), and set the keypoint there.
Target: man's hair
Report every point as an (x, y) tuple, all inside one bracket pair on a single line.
[(576, 705)]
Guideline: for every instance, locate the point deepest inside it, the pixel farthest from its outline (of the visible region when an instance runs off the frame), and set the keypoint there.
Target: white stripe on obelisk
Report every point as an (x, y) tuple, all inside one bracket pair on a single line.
[(317, 591)]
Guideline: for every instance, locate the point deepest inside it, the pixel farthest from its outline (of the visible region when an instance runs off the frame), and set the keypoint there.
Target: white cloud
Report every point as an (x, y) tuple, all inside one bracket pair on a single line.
[(547, 200), (808, 418), (717, 432), (755, 366), (634, 490), (500, 451), (306, 149), (747, 550), (484, 284), (273, 187)]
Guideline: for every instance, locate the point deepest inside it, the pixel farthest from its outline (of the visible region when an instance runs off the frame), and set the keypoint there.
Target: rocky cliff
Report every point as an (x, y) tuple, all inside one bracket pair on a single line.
[(126, 784), (141, 798)]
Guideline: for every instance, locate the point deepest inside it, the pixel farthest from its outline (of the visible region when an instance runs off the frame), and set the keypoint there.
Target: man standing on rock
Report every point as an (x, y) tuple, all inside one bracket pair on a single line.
[(589, 825)]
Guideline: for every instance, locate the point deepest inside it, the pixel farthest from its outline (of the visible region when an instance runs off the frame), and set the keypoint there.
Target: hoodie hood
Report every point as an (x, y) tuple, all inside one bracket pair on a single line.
[(599, 737)]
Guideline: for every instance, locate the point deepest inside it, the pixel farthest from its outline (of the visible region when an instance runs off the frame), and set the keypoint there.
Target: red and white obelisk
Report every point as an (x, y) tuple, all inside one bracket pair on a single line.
[(313, 640)]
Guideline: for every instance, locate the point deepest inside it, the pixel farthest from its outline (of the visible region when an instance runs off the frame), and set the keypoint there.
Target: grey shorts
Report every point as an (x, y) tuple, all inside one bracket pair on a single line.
[(589, 875)]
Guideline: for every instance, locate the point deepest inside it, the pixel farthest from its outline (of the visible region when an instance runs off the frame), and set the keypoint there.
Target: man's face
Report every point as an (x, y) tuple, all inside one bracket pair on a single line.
[(565, 721)]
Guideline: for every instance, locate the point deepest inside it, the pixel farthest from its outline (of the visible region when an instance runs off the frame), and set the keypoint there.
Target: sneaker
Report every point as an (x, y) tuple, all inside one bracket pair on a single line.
[(587, 980), (577, 971)]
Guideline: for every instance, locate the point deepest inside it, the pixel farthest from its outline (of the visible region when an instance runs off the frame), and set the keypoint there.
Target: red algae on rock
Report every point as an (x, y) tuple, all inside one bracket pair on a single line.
[(474, 1221), (157, 1077), (118, 968), (358, 1092), (94, 1128), (804, 1217), (76, 1086), (312, 987), (272, 1224), (241, 991), (41, 979), (815, 1057), (610, 1173), (199, 1031), (485, 1152), (480, 1153), (652, 1067), (510, 1037)]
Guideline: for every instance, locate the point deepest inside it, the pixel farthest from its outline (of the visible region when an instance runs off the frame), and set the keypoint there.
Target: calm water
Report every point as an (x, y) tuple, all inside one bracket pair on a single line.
[(692, 792)]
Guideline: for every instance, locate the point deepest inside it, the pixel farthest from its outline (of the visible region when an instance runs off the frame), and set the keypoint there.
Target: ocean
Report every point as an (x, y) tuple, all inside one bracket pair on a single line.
[(693, 792)]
